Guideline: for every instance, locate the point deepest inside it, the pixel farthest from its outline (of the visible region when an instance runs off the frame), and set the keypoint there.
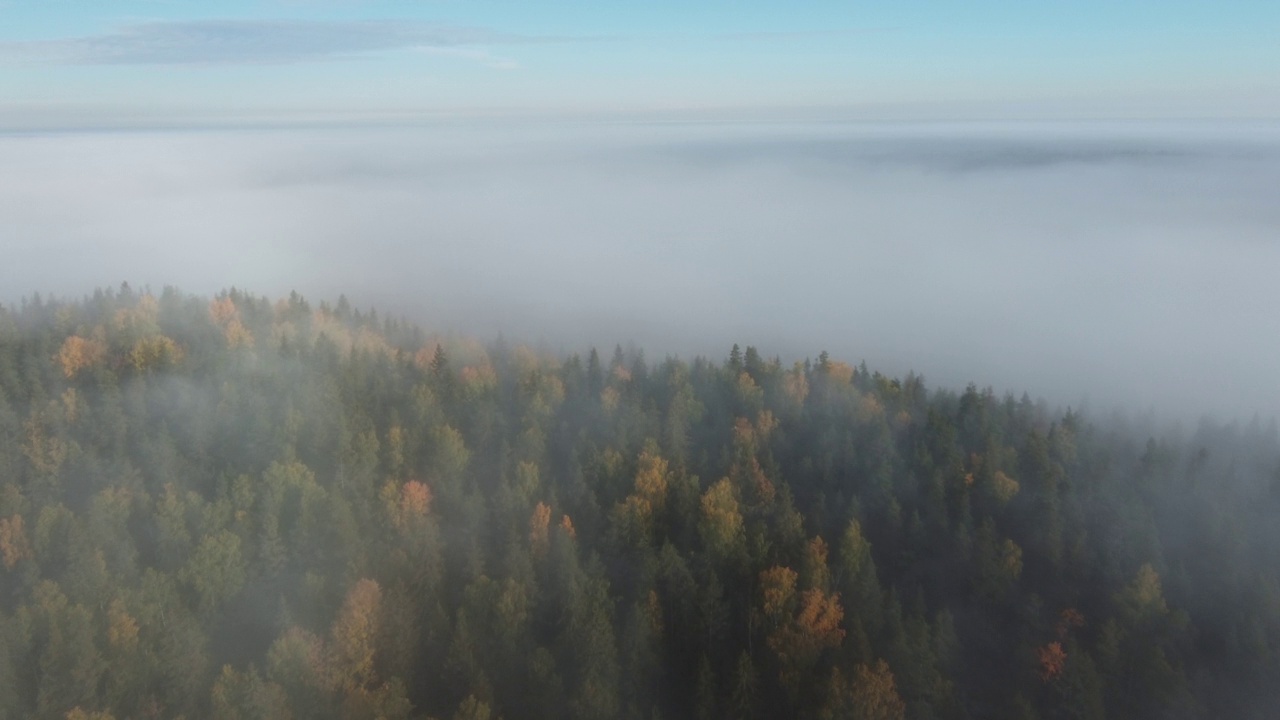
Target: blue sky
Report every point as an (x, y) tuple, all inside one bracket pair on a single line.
[(69, 62)]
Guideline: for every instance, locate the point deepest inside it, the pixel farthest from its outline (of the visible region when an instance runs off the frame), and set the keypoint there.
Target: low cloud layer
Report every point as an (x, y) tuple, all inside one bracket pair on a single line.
[(1120, 265)]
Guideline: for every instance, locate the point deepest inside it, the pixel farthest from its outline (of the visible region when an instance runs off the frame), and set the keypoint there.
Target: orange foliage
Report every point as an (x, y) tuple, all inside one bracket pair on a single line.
[(13, 541), (415, 500), (870, 409), (1052, 660), (800, 642), (77, 353), (223, 311), (539, 538), (425, 355), (1071, 618), (567, 525), (872, 695), (479, 378), (820, 616)]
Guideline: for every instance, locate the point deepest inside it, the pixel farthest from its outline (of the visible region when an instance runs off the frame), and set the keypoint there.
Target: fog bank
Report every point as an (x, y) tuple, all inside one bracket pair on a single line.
[(1121, 264)]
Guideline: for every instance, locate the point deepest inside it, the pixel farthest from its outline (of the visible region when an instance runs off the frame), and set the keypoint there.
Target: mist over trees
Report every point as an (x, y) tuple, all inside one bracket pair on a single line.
[(238, 507), (1097, 264)]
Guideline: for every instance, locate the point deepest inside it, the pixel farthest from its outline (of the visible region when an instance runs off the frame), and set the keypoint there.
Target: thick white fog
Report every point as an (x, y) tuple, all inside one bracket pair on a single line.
[(1118, 264)]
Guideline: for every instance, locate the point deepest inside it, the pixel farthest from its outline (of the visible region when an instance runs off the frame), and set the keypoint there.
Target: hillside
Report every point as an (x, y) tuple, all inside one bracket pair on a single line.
[(245, 508)]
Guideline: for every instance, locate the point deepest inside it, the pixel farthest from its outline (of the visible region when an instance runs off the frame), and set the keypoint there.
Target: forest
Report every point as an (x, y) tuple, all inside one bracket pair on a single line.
[(245, 507)]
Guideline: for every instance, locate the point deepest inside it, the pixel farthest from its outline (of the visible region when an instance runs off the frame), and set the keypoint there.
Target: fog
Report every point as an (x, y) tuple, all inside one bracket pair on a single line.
[(1122, 264)]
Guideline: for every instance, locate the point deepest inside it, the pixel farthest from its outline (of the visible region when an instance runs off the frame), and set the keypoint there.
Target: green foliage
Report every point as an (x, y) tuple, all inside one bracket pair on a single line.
[(250, 509)]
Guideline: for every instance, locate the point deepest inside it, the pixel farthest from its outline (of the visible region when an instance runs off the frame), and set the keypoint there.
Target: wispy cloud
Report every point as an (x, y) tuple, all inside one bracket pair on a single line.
[(792, 35), (222, 42)]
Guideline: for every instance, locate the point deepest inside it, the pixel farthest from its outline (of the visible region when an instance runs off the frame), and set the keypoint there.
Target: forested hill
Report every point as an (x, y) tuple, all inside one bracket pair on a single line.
[(245, 508)]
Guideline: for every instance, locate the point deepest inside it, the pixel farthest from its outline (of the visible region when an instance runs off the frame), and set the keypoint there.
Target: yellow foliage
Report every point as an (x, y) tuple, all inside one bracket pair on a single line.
[(839, 372), (870, 409), (71, 405), (1143, 596), (354, 633), (651, 479), (45, 452), (1003, 487), (122, 629), (746, 473), (370, 341), (766, 423), (396, 440), (524, 360), (297, 656), (237, 335), (777, 587), (633, 518), (653, 609), (818, 575), (138, 320), (1011, 558), (721, 520), (78, 714), (744, 435), (14, 546), (155, 352), (795, 385), (609, 398), (78, 353)]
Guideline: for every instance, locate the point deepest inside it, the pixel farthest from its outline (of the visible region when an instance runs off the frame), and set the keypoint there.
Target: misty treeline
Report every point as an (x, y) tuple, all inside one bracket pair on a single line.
[(245, 508)]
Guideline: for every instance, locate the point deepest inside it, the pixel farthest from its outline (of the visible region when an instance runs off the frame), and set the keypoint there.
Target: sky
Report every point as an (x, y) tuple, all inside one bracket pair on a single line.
[(74, 63), (1076, 200)]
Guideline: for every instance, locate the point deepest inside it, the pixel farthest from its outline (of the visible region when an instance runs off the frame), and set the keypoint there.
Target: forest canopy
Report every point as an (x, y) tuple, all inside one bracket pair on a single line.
[(238, 507)]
